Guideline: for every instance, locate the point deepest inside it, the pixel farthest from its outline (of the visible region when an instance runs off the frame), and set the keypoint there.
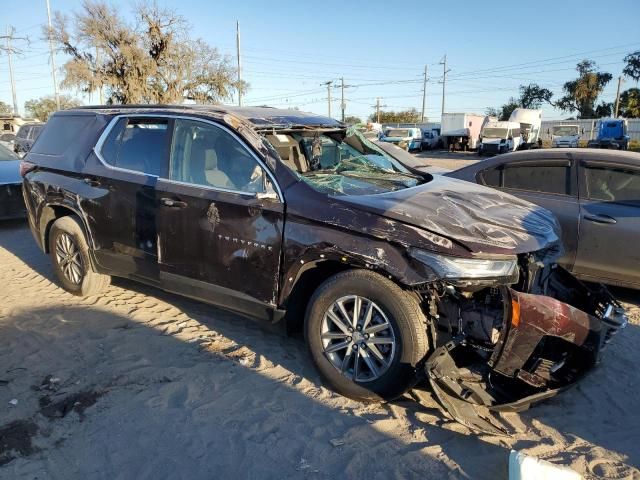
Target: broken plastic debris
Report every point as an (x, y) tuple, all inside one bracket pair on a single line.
[(13, 402)]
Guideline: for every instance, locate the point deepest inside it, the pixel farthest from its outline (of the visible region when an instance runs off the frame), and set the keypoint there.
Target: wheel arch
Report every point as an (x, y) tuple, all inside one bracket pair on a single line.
[(53, 211)]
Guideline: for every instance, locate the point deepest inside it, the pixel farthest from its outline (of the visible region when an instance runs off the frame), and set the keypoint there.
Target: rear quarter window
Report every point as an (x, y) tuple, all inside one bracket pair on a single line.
[(60, 132)]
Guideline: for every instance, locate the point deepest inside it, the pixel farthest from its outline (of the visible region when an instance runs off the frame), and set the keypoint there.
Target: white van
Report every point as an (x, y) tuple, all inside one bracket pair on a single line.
[(499, 137)]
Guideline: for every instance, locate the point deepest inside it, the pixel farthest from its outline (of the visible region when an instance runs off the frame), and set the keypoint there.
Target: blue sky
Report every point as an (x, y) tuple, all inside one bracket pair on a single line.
[(290, 48)]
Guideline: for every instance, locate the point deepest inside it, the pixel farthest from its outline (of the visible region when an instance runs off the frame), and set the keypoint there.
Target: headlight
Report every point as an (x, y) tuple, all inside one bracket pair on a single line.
[(469, 270)]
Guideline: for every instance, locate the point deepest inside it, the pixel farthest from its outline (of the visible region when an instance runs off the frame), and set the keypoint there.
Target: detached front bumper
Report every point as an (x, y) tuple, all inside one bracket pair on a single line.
[(545, 346)]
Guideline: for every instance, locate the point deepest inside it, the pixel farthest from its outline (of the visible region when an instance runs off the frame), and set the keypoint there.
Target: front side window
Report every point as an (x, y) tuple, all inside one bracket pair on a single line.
[(137, 144), (613, 185), (206, 155)]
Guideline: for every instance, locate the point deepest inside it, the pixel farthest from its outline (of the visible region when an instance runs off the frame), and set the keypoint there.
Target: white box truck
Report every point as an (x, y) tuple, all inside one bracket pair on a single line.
[(461, 130), (530, 120)]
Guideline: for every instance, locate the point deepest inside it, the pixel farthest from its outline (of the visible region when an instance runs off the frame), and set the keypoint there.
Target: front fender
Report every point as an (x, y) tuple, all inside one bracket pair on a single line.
[(308, 245)]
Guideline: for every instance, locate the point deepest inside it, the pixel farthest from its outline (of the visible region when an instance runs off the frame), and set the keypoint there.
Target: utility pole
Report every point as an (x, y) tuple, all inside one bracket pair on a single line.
[(53, 59), (13, 83), (239, 64), (618, 96), (424, 94), (342, 104), (444, 78), (328, 84)]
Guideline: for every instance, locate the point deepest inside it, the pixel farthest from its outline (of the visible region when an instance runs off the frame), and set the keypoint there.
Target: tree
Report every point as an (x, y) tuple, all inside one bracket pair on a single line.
[(153, 61), (41, 108), (630, 103), (505, 111), (632, 69), (605, 109), (533, 96), (404, 116), (352, 120), (582, 93), (5, 109)]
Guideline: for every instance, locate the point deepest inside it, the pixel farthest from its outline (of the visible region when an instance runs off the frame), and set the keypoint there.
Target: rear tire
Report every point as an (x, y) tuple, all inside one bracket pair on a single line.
[(400, 344), (70, 257)]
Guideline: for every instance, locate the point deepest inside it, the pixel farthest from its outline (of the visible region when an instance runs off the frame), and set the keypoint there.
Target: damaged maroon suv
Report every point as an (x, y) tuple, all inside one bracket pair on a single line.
[(395, 275)]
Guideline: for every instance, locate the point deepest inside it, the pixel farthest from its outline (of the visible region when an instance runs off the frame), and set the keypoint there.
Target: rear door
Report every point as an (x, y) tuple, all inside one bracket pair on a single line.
[(220, 239), (550, 183), (121, 205), (609, 222)]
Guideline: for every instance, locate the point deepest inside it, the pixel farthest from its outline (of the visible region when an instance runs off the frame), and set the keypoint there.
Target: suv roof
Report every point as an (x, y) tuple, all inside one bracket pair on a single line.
[(260, 117)]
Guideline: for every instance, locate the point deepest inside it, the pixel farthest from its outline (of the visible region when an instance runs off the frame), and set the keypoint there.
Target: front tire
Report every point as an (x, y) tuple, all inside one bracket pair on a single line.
[(366, 335), (70, 257)]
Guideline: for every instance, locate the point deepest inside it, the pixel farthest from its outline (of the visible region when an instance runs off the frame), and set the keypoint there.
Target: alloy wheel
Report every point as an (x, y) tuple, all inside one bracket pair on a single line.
[(69, 258), (358, 338)]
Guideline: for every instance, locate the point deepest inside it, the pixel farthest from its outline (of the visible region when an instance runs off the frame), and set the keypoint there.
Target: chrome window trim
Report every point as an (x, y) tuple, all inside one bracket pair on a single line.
[(207, 187), (97, 149)]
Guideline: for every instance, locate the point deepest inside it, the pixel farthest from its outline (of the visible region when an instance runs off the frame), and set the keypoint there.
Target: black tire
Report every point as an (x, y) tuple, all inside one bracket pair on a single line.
[(90, 282), (403, 312)]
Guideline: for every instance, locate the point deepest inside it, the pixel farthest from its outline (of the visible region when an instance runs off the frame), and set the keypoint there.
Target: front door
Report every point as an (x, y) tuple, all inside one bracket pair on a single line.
[(220, 238), (609, 223)]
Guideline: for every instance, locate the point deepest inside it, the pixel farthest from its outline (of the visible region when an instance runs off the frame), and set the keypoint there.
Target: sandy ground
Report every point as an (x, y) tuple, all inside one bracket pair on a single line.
[(138, 383)]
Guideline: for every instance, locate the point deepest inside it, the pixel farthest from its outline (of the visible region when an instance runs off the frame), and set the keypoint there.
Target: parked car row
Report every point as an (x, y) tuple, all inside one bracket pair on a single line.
[(11, 201), (397, 274), (594, 194)]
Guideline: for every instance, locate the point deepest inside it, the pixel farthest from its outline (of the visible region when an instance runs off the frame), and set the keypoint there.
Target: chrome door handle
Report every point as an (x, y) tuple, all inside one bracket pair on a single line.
[(169, 202), (600, 219)]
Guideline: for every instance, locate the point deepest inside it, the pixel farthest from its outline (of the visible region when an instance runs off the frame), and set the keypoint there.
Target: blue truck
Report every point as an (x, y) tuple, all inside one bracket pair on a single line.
[(612, 134)]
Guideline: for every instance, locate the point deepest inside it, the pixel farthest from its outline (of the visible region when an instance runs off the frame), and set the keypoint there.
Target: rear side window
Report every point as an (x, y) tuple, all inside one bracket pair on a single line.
[(553, 178), (613, 185), (35, 132), (59, 133), (538, 178), (23, 132), (138, 144), (491, 177)]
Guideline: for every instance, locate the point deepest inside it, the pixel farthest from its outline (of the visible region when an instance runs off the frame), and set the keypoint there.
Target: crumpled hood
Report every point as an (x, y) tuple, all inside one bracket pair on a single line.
[(482, 219)]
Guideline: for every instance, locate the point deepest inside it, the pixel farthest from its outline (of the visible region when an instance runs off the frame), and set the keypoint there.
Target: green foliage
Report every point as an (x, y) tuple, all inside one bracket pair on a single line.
[(352, 120), (5, 109), (152, 60), (632, 69), (630, 103), (403, 116), (505, 111), (582, 93), (605, 109), (533, 96), (41, 108)]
